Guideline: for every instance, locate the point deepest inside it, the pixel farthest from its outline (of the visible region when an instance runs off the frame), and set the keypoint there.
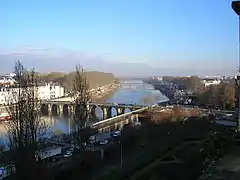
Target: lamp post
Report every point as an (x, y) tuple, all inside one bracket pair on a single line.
[(236, 8), (121, 163)]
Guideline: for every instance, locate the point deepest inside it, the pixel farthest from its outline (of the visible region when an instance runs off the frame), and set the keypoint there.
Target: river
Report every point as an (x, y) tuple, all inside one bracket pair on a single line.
[(139, 93)]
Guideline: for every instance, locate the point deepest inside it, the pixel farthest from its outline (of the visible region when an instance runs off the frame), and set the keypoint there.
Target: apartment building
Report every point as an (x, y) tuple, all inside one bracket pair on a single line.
[(45, 92)]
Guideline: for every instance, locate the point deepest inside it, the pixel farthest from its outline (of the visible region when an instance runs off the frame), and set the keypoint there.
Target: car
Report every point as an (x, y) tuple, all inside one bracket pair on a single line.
[(68, 154), (103, 142), (57, 158), (70, 151), (137, 124), (116, 133)]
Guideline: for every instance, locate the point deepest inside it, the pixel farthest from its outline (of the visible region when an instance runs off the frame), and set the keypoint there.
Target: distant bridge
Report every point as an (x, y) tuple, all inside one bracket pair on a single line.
[(137, 85)]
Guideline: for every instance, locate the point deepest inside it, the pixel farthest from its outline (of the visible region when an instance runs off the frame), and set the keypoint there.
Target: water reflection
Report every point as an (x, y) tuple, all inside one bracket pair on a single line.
[(57, 126), (99, 112), (127, 110)]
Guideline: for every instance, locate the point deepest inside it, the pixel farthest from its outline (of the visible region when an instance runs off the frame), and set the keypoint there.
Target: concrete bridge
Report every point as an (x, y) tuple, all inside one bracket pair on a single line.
[(115, 123), (60, 107)]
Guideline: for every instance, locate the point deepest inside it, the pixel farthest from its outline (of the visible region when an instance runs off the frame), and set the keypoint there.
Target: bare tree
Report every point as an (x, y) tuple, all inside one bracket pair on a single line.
[(81, 96), (26, 126)]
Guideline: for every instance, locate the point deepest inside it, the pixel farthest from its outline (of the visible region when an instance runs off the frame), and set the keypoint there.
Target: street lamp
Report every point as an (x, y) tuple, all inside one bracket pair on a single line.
[(121, 155), (236, 8)]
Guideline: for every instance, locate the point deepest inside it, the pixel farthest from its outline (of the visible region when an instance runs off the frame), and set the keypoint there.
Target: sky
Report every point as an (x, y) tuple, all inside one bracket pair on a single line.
[(126, 37)]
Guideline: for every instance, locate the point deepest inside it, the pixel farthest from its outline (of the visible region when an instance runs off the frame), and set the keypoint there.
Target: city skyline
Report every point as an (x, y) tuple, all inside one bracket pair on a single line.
[(122, 37)]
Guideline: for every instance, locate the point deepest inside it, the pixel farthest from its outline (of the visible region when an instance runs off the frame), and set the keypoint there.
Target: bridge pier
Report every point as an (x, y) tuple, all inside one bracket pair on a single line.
[(71, 109), (105, 113), (107, 129), (93, 115), (121, 125), (49, 109), (120, 111), (116, 126), (60, 109), (134, 118)]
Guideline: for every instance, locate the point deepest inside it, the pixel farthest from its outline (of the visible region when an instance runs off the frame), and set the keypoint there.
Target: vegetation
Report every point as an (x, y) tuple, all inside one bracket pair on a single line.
[(81, 96), (26, 127), (94, 78), (192, 84), (176, 114), (171, 148), (222, 95)]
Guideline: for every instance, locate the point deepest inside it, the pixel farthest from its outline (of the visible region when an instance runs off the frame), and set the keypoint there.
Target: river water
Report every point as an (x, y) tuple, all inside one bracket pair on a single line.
[(131, 92)]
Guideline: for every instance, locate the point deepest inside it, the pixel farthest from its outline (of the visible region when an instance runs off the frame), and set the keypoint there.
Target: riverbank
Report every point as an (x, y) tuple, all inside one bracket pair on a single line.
[(107, 94)]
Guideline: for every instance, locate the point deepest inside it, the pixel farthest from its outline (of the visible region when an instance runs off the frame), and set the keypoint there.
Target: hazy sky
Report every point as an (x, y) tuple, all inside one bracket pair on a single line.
[(197, 35)]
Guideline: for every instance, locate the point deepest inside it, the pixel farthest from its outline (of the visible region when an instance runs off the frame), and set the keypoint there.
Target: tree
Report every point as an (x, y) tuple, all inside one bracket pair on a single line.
[(82, 97), (227, 96), (222, 95), (26, 127), (192, 84)]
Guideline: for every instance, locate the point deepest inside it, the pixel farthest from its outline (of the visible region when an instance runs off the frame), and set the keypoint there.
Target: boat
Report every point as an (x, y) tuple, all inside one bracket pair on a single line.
[(4, 117)]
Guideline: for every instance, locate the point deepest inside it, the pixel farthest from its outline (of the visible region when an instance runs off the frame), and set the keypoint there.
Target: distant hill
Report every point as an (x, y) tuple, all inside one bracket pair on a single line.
[(95, 78)]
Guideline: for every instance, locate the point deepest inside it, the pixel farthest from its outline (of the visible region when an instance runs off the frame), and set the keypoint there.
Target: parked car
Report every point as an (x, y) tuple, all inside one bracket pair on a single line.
[(68, 154), (104, 142), (116, 133)]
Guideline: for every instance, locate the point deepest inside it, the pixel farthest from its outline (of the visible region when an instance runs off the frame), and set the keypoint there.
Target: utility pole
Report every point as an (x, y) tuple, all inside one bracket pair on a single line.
[(236, 8), (121, 155)]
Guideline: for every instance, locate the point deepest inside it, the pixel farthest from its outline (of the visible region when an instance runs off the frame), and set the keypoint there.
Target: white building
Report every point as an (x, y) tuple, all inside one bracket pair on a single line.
[(50, 91), (210, 81), (6, 80), (56, 92), (45, 92)]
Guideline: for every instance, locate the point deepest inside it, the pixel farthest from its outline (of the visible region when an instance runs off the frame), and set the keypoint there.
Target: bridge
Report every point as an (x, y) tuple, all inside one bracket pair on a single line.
[(68, 107), (135, 85), (118, 122)]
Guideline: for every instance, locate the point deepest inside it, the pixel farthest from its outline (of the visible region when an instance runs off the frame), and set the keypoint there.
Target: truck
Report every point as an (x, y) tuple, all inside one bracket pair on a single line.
[(99, 137), (48, 153)]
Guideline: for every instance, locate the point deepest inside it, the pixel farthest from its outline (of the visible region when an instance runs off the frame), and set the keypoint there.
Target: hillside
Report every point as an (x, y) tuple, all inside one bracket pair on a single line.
[(95, 78)]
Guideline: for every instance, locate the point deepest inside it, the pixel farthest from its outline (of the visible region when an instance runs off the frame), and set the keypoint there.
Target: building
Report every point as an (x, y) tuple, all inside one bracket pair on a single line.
[(45, 92), (210, 81), (6, 80), (50, 91), (158, 78)]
